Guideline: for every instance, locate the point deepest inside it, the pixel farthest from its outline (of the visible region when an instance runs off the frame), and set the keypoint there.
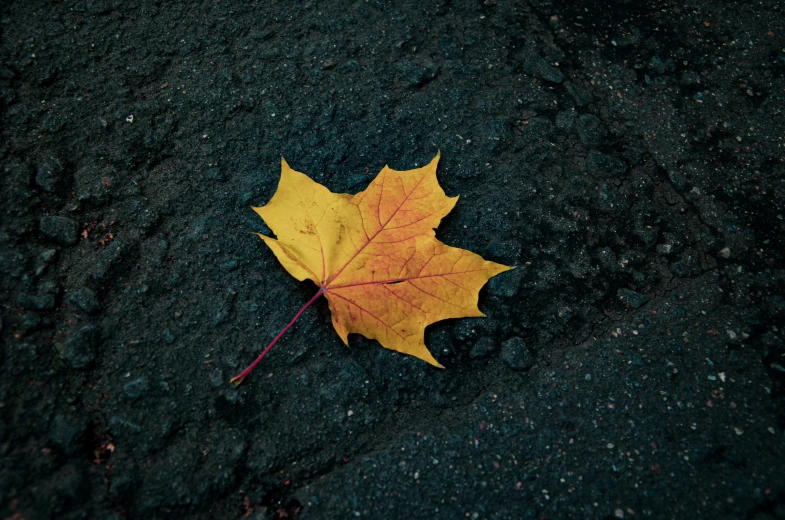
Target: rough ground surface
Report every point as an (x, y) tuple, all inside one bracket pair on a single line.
[(628, 156)]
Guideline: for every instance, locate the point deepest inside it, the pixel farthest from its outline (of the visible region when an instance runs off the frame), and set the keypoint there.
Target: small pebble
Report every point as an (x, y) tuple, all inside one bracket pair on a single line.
[(482, 348), (631, 298), (217, 378), (86, 300), (50, 174), (168, 336), (42, 302), (30, 320), (516, 354), (79, 348), (136, 388), (47, 255)]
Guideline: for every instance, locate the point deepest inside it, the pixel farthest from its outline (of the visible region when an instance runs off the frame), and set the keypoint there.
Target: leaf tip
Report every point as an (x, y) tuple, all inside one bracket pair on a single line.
[(439, 365)]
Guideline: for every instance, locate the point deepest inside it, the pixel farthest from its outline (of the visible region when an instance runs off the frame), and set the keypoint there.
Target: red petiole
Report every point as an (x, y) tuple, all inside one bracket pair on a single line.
[(242, 375)]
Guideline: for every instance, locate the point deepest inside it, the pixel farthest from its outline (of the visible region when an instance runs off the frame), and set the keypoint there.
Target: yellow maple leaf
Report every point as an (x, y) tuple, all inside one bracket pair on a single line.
[(375, 256)]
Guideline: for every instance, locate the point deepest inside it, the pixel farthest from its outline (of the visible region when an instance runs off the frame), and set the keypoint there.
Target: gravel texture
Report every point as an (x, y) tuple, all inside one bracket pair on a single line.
[(627, 157)]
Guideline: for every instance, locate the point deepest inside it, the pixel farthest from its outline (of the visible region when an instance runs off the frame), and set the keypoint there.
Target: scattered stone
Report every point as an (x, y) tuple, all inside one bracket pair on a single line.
[(678, 178), (86, 300), (119, 426), (47, 255), (565, 313), (417, 75), (61, 229), (168, 336), (79, 349), (229, 265), (466, 329), (66, 433), (581, 96), (505, 285), (44, 260), (725, 252), (217, 378), (659, 66), (50, 123), (50, 174), (199, 228), (631, 298), (499, 130), (42, 302), (297, 354), (536, 66), (147, 218), (499, 134), (648, 234), (516, 354), (589, 128), (49, 288), (30, 321), (482, 348), (664, 249), (223, 308), (356, 182), (687, 265), (136, 388), (690, 78), (565, 119), (106, 259), (245, 197), (605, 165)]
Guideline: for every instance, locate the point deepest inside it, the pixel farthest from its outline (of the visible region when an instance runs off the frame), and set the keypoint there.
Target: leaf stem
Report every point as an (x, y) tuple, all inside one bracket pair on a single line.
[(242, 375)]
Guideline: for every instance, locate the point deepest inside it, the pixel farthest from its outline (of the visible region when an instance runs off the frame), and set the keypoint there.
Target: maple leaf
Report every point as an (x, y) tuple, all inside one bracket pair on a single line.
[(375, 256)]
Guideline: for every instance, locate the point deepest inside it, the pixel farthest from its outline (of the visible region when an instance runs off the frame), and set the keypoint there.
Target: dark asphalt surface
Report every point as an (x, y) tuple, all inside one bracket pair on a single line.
[(626, 156)]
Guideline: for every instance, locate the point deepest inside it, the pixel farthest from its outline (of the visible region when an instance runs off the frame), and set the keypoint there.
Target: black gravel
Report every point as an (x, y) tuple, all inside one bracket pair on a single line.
[(626, 156)]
